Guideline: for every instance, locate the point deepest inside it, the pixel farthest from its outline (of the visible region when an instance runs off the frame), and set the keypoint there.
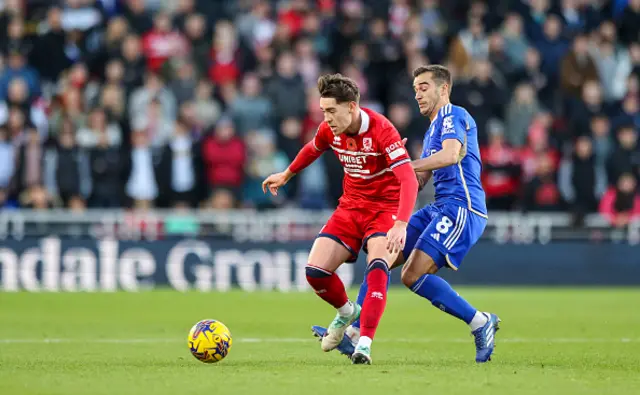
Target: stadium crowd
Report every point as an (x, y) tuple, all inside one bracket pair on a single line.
[(166, 103)]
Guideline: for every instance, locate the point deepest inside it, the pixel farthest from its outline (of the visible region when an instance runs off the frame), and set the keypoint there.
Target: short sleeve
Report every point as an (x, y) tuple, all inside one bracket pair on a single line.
[(320, 141), (454, 127), (393, 149)]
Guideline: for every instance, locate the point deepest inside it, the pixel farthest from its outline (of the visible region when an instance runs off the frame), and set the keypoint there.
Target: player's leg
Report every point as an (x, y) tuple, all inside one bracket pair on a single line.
[(338, 242), (325, 257), (417, 224), (375, 300), (443, 244)]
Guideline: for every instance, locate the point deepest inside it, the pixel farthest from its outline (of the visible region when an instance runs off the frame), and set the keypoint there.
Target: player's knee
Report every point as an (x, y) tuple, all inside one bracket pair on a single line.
[(409, 276), (315, 272)]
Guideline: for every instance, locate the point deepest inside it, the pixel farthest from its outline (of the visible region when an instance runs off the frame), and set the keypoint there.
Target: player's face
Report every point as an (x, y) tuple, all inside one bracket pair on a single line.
[(337, 115), (428, 93)]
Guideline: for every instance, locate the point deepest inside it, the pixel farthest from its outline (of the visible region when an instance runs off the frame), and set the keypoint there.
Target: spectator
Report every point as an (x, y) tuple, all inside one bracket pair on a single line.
[(183, 86), (621, 203), (470, 45), (265, 159), (577, 67), (482, 97), (552, 47), (18, 68), (155, 123), (515, 42), (224, 157), (153, 89), (614, 64), (67, 170), (207, 109), (195, 33), (581, 180), (134, 63), (49, 57), (30, 165), (541, 193), (520, 114), (178, 170), (98, 128), (107, 173), (501, 170), (18, 97), (251, 110), (602, 140), (141, 185), (626, 156), (286, 90)]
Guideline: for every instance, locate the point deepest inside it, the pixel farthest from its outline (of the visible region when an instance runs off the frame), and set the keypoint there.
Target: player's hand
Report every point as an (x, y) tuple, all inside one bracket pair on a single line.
[(396, 237), (275, 181)]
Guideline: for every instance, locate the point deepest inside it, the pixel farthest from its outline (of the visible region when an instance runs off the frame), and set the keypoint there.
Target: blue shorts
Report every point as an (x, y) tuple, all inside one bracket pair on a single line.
[(445, 232)]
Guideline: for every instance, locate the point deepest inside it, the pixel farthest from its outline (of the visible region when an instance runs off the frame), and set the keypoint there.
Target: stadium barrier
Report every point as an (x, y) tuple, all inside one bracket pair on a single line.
[(57, 264)]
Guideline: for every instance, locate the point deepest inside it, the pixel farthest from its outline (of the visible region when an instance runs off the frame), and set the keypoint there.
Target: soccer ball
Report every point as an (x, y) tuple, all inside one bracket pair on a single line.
[(209, 341)]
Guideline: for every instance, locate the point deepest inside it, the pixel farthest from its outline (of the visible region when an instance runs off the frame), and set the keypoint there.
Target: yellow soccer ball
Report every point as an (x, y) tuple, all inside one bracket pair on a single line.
[(209, 341)]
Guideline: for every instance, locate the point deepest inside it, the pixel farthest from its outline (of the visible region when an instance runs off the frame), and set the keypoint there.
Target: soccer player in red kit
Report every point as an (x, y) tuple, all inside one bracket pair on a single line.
[(380, 189)]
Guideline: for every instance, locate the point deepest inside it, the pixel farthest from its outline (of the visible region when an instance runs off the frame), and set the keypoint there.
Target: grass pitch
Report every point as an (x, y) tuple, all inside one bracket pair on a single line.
[(552, 341)]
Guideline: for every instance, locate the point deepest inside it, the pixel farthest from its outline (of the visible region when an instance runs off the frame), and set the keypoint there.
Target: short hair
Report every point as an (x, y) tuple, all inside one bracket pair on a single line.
[(338, 87), (440, 74)]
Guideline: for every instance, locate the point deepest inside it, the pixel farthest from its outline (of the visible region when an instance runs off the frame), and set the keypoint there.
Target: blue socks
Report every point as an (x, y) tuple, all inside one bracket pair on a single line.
[(441, 295), (437, 291), (362, 293)]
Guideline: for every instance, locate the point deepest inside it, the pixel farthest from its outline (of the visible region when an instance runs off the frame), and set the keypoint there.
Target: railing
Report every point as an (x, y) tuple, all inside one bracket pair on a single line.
[(279, 225)]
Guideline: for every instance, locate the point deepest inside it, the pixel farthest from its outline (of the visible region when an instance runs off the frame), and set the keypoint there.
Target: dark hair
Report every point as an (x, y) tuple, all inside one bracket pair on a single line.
[(440, 74), (338, 87)]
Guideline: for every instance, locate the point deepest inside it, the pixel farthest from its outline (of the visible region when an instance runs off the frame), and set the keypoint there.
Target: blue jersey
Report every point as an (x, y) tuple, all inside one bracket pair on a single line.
[(460, 183)]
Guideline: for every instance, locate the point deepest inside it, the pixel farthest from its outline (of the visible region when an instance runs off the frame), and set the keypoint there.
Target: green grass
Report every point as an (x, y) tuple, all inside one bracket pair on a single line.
[(556, 341)]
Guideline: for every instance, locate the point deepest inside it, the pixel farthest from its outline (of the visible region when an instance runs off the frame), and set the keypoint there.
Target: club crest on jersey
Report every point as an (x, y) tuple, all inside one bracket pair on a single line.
[(367, 144), (351, 145)]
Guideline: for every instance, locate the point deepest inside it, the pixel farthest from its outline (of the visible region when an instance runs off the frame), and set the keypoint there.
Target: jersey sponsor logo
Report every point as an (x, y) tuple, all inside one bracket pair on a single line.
[(396, 145), (397, 153), (447, 125), (350, 159), (367, 144)]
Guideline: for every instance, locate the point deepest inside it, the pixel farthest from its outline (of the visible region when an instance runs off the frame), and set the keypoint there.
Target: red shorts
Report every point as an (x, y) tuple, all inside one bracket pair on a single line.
[(353, 228)]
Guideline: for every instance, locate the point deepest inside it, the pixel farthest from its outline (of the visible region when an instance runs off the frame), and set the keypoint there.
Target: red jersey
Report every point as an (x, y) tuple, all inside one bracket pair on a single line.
[(368, 159)]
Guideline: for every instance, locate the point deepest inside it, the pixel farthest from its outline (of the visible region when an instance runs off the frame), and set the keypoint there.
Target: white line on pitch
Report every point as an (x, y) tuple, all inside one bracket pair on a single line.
[(309, 339)]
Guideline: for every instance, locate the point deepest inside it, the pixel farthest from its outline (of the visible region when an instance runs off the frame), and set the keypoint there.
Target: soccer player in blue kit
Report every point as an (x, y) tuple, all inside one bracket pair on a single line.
[(442, 233)]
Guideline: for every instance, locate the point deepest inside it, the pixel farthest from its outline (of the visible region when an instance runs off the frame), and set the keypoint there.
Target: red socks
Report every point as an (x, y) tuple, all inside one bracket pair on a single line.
[(376, 298), (328, 286)]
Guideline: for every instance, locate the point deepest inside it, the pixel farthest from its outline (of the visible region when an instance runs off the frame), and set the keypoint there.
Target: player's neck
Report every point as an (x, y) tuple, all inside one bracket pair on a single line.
[(354, 128), (436, 110)]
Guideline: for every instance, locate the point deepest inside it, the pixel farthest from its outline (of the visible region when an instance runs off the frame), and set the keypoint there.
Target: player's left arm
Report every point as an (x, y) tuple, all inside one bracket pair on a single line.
[(399, 162), (453, 137)]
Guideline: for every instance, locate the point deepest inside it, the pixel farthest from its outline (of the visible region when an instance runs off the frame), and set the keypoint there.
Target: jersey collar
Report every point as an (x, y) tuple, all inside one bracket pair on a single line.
[(364, 126)]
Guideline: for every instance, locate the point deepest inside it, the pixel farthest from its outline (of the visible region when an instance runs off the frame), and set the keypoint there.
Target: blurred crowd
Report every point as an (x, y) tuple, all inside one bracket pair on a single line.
[(191, 103)]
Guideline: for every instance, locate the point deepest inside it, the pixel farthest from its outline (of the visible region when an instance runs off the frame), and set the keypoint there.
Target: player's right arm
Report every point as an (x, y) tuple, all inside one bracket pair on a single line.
[(307, 155)]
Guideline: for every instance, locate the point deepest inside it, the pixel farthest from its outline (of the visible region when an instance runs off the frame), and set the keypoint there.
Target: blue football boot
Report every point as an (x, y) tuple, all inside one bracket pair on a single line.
[(485, 338)]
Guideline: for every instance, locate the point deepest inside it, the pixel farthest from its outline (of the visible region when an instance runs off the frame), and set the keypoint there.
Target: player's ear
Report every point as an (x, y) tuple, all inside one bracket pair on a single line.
[(353, 106), (444, 90)]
